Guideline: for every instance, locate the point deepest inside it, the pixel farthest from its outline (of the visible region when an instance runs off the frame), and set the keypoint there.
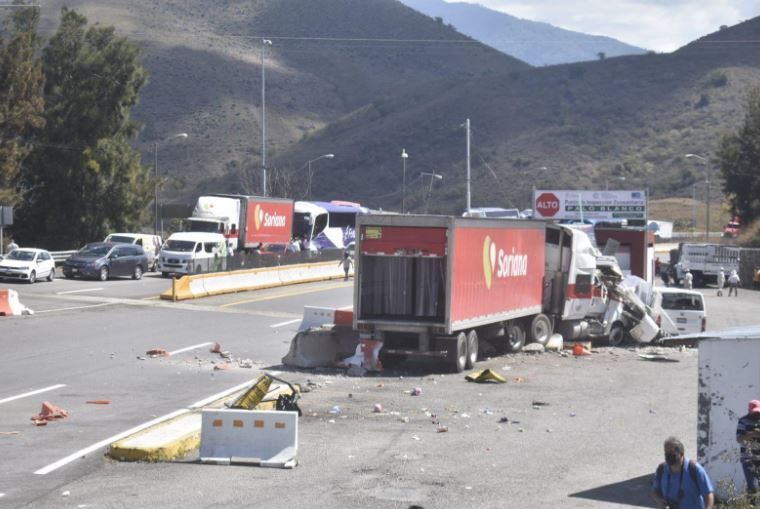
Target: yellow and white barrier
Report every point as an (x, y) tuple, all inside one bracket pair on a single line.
[(264, 438), (217, 283)]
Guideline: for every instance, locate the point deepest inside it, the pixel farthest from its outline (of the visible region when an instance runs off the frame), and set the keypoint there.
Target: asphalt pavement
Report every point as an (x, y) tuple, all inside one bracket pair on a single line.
[(595, 443)]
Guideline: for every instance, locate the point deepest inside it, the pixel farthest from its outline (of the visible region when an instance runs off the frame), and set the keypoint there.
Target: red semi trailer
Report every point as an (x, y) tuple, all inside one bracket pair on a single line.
[(434, 285)]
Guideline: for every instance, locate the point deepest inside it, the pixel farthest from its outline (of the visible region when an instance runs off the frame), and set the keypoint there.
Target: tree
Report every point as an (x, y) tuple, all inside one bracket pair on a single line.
[(739, 155), (84, 179), (21, 103)]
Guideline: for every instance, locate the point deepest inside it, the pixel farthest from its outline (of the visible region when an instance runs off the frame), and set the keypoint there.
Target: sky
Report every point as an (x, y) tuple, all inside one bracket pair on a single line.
[(660, 25)]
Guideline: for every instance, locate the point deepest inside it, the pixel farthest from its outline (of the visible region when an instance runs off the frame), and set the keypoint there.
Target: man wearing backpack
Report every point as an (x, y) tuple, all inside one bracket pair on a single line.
[(680, 483)]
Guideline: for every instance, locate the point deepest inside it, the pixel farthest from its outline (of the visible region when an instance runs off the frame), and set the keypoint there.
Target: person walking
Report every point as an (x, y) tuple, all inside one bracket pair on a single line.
[(688, 280), (748, 436), (721, 281), (347, 262), (733, 283), (681, 482)]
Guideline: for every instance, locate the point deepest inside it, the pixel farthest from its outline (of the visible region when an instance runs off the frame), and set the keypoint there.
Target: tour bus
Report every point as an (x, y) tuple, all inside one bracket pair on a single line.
[(326, 225)]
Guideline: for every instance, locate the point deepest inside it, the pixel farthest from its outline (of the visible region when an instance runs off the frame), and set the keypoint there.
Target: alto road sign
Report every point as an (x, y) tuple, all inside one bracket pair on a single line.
[(547, 204)]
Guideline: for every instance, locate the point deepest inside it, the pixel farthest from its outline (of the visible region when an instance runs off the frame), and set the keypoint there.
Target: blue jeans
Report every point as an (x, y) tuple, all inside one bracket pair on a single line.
[(751, 474)]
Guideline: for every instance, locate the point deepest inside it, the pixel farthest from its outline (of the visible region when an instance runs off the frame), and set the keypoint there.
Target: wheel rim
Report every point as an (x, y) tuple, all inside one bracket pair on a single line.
[(515, 339), (138, 272), (472, 349), (103, 273), (617, 334), (51, 276), (461, 351), (541, 330), (32, 277)]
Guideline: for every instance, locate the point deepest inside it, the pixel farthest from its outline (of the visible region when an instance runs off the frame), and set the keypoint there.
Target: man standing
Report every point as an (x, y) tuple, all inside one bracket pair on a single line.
[(748, 435), (733, 283), (680, 482), (721, 281), (688, 280)]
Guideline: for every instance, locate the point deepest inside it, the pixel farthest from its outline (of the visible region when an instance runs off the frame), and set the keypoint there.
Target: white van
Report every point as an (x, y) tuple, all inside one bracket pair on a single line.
[(192, 253), (151, 244), (680, 311)]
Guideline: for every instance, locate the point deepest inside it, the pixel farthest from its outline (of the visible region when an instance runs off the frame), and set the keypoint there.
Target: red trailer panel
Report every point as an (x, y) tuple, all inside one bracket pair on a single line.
[(389, 240), (496, 271), (268, 221)]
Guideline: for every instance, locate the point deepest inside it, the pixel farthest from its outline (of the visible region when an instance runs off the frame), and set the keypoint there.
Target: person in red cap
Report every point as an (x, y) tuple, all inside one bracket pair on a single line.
[(748, 435)]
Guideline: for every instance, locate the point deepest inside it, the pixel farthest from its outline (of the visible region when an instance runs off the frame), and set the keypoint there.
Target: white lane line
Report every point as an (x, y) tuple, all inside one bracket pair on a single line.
[(282, 324), (175, 352), (94, 447), (75, 307), (108, 441), (83, 290), (32, 393)]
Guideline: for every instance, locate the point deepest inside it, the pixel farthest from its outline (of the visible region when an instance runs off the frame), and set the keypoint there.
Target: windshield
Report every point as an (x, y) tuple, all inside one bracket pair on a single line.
[(183, 246), (206, 227), (120, 238), (94, 250), (682, 301), (26, 256)]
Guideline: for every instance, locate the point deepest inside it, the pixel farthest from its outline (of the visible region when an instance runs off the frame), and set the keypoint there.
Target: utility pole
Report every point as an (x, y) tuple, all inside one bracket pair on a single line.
[(264, 44), (404, 156), (467, 127)]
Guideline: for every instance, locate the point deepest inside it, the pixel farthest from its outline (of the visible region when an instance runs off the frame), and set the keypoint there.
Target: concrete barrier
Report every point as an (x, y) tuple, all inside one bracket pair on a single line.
[(217, 283), (264, 438), (10, 305)]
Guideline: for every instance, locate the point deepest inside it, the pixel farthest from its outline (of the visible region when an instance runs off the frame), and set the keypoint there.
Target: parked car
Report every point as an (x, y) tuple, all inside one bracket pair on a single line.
[(151, 244), (492, 212), (680, 311), (27, 264), (103, 260)]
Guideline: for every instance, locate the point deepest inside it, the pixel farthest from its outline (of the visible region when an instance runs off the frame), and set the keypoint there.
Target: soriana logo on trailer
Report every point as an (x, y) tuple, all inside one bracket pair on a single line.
[(270, 222), (497, 270)]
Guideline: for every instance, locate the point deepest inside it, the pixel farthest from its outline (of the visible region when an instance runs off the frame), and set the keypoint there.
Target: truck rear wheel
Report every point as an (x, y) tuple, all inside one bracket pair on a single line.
[(472, 349), (515, 337), (618, 335), (540, 329), (457, 355)]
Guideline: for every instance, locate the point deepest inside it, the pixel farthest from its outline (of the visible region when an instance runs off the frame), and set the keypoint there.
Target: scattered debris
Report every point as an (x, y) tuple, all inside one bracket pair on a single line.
[(485, 376), (417, 391), (65, 493), (415, 437), (657, 357), (335, 410), (534, 348), (572, 414), (519, 380), (7, 433), (141, 358), (442, 429), (555, 343), (245, 363), (157, 352), (378, 408), (49, 412), (539, 403), (579, 350), (504, 419), (223, 366), (331, 421), (99, 402), (216, 348)]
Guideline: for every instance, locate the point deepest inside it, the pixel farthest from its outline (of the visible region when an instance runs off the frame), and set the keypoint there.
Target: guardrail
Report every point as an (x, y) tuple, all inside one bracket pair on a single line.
[(60, 256)]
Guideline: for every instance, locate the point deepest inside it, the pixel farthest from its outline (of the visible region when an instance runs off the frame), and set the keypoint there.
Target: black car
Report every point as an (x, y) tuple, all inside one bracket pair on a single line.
[(102, 260)]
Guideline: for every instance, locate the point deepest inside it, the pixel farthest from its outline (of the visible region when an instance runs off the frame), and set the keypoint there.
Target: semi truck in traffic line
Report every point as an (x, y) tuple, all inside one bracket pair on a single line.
[(704, 261), (247, 222), (434, 285)]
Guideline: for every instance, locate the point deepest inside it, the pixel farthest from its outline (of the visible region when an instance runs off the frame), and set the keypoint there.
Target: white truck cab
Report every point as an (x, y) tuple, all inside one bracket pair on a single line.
[(192, 253)]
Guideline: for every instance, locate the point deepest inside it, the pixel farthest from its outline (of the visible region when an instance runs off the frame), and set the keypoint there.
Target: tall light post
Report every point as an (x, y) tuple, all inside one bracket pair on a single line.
[(308, 188), (264, 44), (155, 185), (404, 157), (433, 177), (707, 192)]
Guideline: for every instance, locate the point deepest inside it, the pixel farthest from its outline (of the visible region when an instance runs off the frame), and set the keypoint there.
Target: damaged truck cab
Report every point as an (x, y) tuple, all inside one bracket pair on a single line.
[(435, 285)]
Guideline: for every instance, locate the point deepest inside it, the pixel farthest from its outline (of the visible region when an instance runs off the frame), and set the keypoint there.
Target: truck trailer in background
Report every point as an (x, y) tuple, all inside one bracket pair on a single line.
[(248, 222), (704, 261), (435, 285)]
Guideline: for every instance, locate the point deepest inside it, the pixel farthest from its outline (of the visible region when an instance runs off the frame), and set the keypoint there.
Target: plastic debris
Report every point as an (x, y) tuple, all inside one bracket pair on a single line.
[(378, 408), (539, 403), (222, 366), (504, 419), (157, 352), (404, 419), (99, 402), (485, 376), (331, 421), (245, 363), (534, 348), (216, 348), (519, 380), (49, 412), (141, 358), (572, 414), (578, 350), (335, 410), (442, 429), (417, 391), (657, 358), (65, 493), (415, 437)]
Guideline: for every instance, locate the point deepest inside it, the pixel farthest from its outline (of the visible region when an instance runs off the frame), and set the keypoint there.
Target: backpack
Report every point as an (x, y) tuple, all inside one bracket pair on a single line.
[(692, 473)]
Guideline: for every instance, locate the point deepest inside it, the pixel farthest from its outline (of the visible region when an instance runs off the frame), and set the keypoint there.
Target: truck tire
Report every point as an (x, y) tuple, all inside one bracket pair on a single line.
[(472, 349), (515, 337), (541, 329), (457, 355), (618, 335)]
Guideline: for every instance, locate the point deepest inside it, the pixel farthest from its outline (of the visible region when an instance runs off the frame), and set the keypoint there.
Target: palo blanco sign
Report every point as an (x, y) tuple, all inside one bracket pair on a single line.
[(579, 205)]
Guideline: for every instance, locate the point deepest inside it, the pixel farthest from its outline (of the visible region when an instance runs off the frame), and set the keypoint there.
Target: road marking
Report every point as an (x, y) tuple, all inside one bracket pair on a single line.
[(287, 294), (75, 307), (83, 290), (32, 393), (201, 345), (94, 447), (282, 324)]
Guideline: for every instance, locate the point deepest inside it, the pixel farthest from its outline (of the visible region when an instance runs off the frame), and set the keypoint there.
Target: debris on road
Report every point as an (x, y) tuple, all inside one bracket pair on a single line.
[(579, 350), (534, 348), (245, 363), (8, 433), (539, 403), (417, 391), (98, 402), (157, 352), (223, 366), (216, 348), (485, 376), (49, 412), (442, 429), (378, 408), (657, 357)]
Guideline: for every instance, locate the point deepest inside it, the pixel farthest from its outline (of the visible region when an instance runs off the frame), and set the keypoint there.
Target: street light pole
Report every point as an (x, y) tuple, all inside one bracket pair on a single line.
[(467, 127), (404, 156), (264, 44), (308, 187), (707, 193), (155, 185), (433, 176)]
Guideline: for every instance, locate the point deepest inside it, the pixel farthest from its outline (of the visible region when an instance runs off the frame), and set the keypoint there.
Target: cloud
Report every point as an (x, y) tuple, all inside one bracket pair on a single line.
[(661, 25)]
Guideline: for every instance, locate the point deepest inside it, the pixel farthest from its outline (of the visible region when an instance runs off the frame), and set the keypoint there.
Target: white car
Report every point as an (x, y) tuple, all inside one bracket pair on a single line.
[(680, 311), (28, 264)]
